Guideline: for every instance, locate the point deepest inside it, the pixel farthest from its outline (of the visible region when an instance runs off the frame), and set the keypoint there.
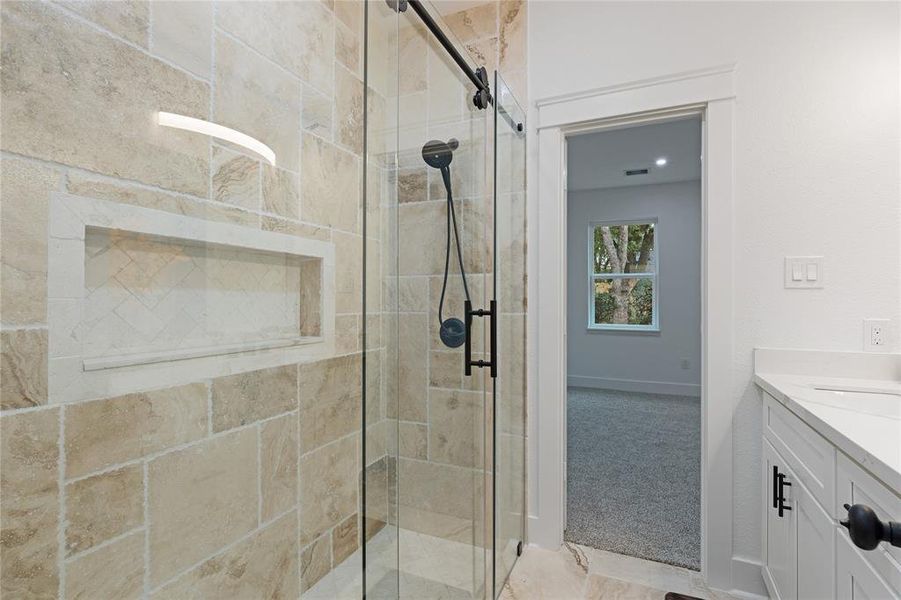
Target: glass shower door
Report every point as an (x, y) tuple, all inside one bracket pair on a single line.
[(426, 486), (509, 289)]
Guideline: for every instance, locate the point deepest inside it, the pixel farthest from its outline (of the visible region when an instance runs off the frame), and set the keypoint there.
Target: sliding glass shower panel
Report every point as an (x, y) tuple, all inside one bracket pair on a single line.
[(509, 282), (380, 324), (426, 479)]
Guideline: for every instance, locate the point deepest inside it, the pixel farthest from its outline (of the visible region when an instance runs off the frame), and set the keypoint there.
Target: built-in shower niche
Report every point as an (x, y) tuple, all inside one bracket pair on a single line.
[(140, 298), (150, 298)]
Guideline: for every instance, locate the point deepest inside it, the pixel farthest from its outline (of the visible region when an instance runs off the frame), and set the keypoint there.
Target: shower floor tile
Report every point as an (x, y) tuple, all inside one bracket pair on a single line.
[(433, 568)]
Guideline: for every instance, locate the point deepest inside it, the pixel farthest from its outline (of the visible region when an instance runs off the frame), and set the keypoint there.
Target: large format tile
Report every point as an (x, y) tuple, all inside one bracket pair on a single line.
[(376, 478), (413, 440), (107, 432), (330, 396), (347, 47), (316, 114), (441, 500), (281, 192), (278, 461), (29, 505), (475, 23), (412, 368), (348, 277), (512, 29), (23, 368), (117, 191), (104, 506), (236, 179), (247, 397), (456, 427), (315, 562), (422, 227), (262, 566), (304, 230), (113, 571), (128, 19), (258, 98), (412, 74), (330, 186), (328, 487), (200, 499), (349, 110), (181, 32), (446, 369), (76, 96), (299, 36), (344, 539), (23, 240)]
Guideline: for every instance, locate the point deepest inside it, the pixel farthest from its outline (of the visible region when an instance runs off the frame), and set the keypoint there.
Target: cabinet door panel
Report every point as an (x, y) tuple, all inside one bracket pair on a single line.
[(781, 540), (816, 548), (858, 487), (856, 578)]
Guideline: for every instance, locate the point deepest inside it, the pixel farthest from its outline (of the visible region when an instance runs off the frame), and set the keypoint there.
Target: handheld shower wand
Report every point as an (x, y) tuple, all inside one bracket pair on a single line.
[(439, 155)]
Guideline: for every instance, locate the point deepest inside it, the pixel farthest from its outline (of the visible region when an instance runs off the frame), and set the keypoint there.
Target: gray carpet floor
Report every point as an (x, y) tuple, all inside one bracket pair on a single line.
[(634, 474)]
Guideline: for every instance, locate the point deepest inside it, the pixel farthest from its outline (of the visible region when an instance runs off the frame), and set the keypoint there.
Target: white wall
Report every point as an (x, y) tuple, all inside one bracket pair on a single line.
[(639, 361), (816, 164)]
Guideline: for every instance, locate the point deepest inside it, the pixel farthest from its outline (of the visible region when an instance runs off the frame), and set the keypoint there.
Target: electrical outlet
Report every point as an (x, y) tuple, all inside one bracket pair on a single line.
[(876, 335)]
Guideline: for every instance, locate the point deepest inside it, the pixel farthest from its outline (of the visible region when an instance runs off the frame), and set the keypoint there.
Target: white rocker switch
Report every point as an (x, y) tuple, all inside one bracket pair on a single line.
[(804, 272)]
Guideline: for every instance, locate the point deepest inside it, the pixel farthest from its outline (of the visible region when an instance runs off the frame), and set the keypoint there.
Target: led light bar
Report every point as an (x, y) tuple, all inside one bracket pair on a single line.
[(168, 119)]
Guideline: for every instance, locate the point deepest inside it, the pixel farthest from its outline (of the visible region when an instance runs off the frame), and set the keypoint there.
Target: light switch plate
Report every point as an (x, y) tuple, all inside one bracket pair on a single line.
[(804, 272)]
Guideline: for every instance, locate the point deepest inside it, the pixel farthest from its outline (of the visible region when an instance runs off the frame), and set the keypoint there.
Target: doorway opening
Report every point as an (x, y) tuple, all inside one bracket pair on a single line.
[(634, 339)]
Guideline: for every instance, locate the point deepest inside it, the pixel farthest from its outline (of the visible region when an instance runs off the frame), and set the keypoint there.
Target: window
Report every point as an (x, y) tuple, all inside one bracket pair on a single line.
[(622, 276)]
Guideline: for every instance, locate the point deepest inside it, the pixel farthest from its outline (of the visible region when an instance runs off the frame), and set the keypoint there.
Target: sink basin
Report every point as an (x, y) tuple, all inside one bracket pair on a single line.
[(883, 403)]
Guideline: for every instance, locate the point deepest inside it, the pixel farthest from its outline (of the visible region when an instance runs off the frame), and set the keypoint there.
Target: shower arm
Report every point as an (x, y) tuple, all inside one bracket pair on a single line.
[(479, 77)]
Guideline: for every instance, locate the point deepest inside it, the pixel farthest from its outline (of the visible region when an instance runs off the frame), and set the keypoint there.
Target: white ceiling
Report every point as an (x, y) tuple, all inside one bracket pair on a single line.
[(597, 160)]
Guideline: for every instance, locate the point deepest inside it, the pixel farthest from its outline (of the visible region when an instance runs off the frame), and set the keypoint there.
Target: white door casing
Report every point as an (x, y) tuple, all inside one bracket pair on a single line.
[(710, 93)]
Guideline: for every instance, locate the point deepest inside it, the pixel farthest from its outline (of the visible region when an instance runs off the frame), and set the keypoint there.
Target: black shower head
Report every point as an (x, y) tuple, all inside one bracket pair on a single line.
[(438, 154)]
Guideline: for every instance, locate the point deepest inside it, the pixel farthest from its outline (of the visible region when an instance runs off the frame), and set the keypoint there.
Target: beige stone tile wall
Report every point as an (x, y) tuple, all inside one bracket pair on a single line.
[(246, 485)]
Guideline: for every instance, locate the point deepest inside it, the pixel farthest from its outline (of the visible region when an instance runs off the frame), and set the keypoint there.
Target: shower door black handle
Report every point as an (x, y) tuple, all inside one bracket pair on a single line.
[(468, 363)]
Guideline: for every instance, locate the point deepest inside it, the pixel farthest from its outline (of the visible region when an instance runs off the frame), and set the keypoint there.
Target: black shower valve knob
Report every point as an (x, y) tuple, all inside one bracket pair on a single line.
[(867, 530)]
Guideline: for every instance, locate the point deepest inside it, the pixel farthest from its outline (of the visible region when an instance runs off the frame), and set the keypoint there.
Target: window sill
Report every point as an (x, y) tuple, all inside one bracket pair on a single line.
[(645, 329)]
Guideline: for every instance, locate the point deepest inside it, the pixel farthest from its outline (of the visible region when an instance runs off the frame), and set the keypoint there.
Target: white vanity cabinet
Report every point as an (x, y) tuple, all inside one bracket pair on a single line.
[(805, 483)]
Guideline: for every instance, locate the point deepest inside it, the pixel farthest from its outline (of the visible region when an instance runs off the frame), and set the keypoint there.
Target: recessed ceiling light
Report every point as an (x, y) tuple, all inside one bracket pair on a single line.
[(168, 119), (661, 162)]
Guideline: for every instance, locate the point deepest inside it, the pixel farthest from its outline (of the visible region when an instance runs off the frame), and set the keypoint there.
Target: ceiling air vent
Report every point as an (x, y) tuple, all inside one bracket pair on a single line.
[(631, 172)]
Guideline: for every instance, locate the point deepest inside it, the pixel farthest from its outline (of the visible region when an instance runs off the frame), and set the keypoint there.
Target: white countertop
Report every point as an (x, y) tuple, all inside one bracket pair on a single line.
[(873, 441)]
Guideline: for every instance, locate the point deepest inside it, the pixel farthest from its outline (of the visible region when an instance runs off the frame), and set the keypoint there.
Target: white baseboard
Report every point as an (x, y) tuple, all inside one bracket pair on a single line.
[(635, 385), (747, 579)]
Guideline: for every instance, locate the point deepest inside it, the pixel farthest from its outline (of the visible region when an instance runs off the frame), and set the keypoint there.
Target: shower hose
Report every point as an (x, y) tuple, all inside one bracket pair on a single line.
[(452, 331)]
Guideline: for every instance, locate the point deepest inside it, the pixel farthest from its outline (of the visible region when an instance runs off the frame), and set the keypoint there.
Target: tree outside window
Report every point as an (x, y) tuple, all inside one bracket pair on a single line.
[(623, 275)]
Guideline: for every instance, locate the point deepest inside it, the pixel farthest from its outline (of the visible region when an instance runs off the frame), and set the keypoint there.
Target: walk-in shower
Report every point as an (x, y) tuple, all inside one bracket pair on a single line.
[(245, 300), (445, 312)]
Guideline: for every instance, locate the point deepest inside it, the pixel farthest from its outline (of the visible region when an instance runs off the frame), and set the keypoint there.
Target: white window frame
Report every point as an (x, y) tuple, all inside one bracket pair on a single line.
[(653, 276)]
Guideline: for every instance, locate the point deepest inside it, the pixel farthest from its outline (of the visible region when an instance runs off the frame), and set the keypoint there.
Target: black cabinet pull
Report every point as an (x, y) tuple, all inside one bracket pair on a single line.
[(775, 486), (782, 485), (867, 530)]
